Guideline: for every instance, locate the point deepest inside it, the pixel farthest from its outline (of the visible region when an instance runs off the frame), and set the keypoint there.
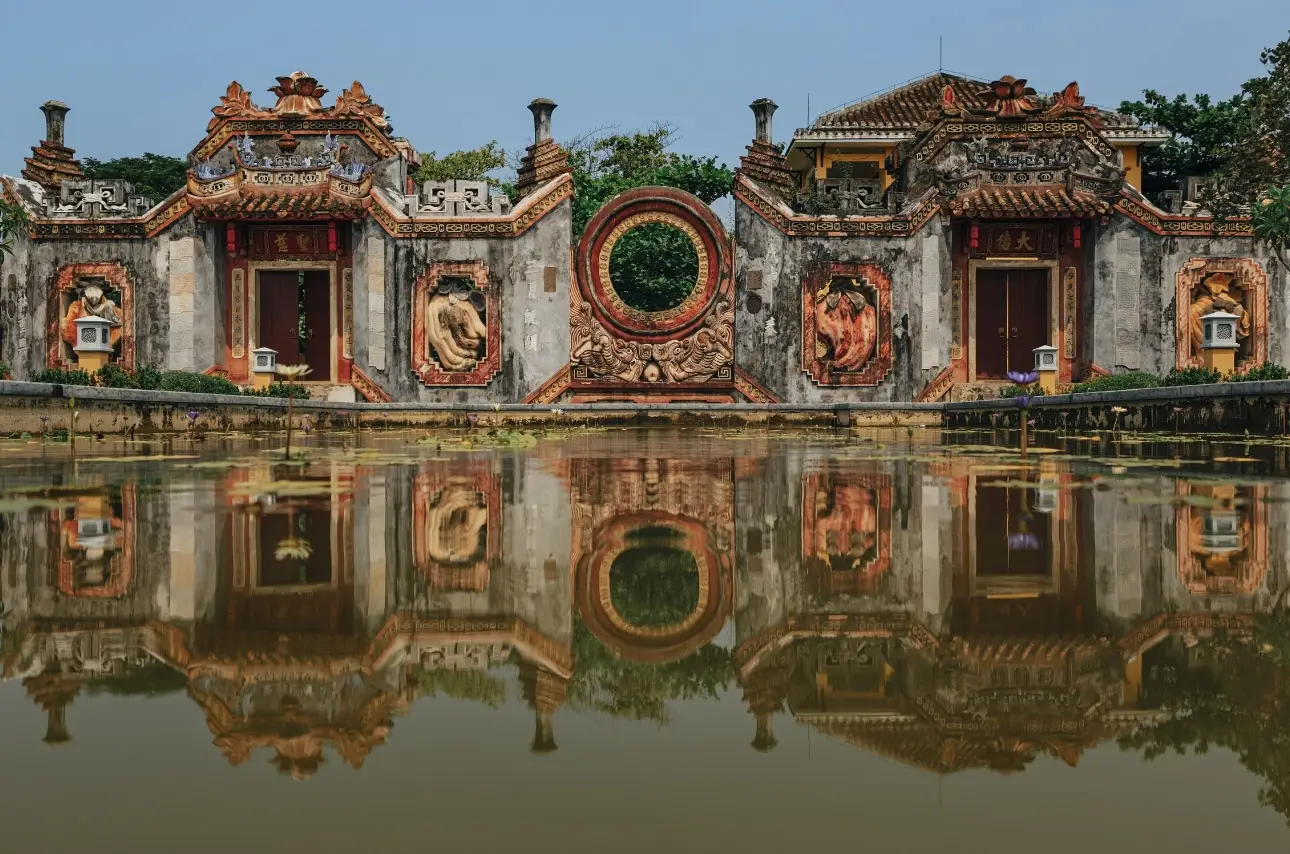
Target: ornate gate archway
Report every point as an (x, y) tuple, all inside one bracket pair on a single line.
[(674, 348)]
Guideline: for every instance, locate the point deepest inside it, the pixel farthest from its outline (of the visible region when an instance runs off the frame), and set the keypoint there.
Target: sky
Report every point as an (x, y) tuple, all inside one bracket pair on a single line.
[(142, 77)]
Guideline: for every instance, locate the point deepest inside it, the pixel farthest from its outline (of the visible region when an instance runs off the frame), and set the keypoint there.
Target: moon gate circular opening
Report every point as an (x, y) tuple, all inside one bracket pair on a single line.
[(654, 266)]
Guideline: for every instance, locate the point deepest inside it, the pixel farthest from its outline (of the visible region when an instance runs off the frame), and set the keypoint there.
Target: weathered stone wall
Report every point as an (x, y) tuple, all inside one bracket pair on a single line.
[(1131, 309), (919, 268), (178, 303), (535, 324)]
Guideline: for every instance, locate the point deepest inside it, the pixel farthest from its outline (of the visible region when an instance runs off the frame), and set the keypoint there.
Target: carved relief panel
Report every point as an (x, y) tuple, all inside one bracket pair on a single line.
[(456, 325), (90, 290), (1235, 285), (846, 324)]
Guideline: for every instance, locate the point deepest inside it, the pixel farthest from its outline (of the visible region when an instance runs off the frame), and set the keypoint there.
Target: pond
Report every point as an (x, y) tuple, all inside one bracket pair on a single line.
[(643, 640)]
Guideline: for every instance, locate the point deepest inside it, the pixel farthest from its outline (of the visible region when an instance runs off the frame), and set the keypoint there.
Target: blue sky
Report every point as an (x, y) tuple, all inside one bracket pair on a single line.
[(143, 76)]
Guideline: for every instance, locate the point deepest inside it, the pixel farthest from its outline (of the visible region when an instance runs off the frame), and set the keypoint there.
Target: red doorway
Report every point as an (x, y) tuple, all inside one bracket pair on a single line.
[(295, 318), (1012, 319)]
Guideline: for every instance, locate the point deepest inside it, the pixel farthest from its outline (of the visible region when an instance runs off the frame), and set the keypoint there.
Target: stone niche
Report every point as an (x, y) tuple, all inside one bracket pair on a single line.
[(456, 325), (90, 290), (1235, 285)]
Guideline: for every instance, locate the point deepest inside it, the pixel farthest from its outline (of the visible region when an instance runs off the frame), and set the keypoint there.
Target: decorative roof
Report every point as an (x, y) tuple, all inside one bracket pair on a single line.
[(905, 107), (299, 96), (1027, 201)]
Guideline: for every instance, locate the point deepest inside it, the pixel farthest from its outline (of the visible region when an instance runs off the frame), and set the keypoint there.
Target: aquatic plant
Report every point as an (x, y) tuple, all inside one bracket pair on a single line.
[(292, 373)]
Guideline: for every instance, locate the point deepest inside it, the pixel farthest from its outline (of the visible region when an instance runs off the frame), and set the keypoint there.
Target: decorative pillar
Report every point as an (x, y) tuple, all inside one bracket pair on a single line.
[(763, 109), (93, 343), (1046, 367), (55, 119), (1219, 344), (541, 108)]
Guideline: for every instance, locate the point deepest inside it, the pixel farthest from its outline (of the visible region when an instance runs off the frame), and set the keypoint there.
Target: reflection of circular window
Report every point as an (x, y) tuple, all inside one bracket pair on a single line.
[(654, 266), (654, 582)]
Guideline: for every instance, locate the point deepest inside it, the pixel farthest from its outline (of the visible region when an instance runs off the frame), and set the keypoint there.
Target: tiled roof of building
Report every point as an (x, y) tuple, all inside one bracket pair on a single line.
[(286, 204), (907, 106), (1026, 201)]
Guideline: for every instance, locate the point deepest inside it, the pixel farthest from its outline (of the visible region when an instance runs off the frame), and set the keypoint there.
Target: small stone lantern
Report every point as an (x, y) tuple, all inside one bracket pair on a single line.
[(93, 343), (1220, 532), (1046, 367), (1218, 341), (264, 365)]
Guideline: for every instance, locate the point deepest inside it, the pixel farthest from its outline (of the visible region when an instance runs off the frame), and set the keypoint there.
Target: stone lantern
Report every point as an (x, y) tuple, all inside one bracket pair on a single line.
[(1220, 532), (1218, 341), (264, 365), (93, 343), (1046, 367)]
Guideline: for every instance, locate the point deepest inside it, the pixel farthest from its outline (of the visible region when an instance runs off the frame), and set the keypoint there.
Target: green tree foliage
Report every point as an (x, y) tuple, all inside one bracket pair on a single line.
[(13, 219), (153, 175), (1271, 221), (605, 683), (1204, 134), (469, 165), (1238, 698)]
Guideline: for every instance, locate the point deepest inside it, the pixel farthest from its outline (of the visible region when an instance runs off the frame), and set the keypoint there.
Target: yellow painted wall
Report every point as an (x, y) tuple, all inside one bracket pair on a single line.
[(1132, 165), (878, 156)]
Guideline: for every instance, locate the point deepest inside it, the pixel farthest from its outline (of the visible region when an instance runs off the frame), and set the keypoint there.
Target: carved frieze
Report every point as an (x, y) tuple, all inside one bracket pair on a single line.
[(846, 324)]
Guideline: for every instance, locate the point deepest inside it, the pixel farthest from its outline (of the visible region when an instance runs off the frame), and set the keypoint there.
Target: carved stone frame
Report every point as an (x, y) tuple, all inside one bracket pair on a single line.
[(879, 365), (1252, 279), (65, 280), (424, 366)]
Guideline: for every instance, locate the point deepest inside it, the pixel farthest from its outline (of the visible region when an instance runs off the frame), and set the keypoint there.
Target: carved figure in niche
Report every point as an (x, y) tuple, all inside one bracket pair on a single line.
[(92, 302), (456, 325), (456, 526), (1218, 292), (846, 324)]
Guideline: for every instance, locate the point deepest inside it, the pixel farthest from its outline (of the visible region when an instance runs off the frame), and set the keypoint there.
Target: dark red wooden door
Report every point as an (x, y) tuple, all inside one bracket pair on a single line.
[(992, 324), (1028, 317), (317, 312), (279, 306)]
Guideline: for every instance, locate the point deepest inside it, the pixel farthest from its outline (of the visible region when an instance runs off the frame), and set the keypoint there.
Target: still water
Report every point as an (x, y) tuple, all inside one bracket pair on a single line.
[(645, 641)]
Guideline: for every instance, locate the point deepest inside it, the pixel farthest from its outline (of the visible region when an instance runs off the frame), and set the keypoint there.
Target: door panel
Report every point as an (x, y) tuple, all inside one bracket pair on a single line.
[(991, 324), (279, 310), (1028, 317), (317, 310)]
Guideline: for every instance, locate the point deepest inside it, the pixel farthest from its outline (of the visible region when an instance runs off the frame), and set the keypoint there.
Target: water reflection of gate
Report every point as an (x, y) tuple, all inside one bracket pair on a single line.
[(653, 551)]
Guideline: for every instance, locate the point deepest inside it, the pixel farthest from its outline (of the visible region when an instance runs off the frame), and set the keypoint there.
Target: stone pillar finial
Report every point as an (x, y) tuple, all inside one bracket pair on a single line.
[(763, 109), (55, 117), (542, 108)]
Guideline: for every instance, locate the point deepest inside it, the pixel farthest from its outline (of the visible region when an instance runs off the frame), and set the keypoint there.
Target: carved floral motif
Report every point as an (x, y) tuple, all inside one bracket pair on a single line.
[(355, 101)]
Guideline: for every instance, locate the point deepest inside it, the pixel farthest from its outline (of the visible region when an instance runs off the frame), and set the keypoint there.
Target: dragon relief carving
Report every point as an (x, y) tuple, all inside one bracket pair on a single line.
[(697, 357)]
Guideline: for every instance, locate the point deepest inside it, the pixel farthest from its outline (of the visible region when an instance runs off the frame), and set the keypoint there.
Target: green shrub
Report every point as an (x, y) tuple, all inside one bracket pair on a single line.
[(1117, 382), (115, 376), (148, 377), (1015, 390), (196, 383), (58, 376), (1263, 372), (1192, 376), (295, 390), (4, 370)]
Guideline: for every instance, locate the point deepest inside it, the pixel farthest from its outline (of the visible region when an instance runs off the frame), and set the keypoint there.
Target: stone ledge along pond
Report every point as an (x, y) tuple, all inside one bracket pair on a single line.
[(644, 640)]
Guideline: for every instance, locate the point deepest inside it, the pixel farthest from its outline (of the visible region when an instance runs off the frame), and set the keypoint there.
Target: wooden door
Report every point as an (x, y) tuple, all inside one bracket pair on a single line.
[(992, 324), (278, 299), (1028, 318), (317, 317)]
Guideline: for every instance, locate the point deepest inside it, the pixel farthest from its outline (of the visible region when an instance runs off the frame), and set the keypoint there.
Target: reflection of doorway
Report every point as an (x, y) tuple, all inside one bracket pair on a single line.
[(1012, 319), (1011, 539), (295, 317), (295, 548)]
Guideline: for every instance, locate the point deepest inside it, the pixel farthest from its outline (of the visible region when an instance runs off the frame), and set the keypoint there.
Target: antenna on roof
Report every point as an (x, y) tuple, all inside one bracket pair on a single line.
[(808, 109), (940, 53)]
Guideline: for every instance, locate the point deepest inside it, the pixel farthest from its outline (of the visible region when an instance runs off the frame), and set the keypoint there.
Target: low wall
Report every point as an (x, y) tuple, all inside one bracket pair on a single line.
[(113, 410), (1256, 407)]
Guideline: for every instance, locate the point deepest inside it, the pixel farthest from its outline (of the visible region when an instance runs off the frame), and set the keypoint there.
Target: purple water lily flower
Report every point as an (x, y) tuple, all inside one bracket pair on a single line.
[(1024, 377), (1023, 543), (44, 418), (193, 415)]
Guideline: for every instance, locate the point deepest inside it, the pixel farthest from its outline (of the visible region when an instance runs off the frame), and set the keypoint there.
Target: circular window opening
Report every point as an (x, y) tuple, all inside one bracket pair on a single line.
[(654, 267), (654, 582)]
